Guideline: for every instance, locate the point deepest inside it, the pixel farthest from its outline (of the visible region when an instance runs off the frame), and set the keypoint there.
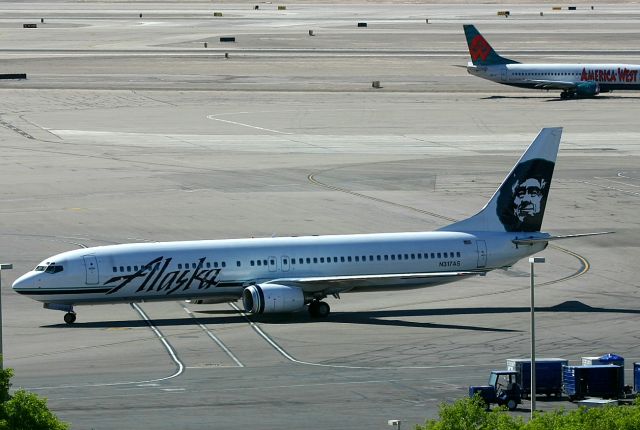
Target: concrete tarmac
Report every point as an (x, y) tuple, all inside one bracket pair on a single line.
[(129, 130)]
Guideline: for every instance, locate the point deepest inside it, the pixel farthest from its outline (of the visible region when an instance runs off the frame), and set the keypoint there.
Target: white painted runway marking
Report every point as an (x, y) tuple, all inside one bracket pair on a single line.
[(213, 337), (624, 175), (212, 117), (289, 357), (172, 353), (610, 188), (150, 382), (617, 182)]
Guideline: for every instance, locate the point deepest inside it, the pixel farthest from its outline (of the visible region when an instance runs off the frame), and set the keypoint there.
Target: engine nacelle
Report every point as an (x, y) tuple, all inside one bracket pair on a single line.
[(272, 298), (588, 89)]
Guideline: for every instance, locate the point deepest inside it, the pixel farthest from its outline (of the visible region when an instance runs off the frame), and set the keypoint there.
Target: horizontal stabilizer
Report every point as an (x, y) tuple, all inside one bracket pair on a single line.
[(533, 240)]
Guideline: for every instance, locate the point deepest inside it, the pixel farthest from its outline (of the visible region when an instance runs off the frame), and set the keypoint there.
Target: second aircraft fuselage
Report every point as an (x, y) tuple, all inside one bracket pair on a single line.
[(608, 76)]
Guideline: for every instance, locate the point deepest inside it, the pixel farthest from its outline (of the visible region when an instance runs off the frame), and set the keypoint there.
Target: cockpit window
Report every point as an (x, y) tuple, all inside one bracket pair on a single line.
[(54, 268), (50, 268)]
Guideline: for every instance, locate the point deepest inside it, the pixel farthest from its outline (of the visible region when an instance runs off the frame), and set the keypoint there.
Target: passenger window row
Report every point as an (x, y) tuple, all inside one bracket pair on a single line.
[(299, 260), (208, 265), (359, 258), (546, 74)]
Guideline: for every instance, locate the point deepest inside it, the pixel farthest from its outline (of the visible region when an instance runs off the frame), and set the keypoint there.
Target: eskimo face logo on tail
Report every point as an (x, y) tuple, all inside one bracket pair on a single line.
[(479, 48), (523, 196)]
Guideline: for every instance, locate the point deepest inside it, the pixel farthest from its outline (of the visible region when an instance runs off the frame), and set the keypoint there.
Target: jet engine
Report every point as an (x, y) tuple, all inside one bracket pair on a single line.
[(272, 298), (588, 89)]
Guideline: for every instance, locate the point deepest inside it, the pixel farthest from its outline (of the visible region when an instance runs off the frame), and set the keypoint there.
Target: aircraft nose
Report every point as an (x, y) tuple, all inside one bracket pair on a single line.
[(23, 283)]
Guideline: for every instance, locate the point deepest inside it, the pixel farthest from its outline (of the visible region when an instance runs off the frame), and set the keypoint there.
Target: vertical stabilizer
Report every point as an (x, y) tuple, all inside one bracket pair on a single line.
[(482, 54), (518, 205)]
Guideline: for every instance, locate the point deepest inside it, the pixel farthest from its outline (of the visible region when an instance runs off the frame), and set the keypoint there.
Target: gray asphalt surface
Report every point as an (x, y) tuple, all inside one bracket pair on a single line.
[(129, 130)]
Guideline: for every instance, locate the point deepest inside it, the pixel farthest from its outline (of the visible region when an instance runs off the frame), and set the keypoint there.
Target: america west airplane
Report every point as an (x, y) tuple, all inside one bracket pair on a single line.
[(293, 273), (573, 80)]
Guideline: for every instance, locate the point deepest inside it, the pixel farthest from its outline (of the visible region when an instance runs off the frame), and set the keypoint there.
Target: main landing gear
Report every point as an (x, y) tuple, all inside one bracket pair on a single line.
[(318, 309), (70, 317), (565, 95)]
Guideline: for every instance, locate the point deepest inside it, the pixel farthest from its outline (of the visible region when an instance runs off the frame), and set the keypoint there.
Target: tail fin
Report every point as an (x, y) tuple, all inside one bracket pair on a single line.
[(482, 54), (518, 205)]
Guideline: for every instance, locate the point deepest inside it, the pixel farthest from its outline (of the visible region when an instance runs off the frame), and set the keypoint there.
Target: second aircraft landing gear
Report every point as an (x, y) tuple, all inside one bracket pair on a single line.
[(70, 317), (318, 309)]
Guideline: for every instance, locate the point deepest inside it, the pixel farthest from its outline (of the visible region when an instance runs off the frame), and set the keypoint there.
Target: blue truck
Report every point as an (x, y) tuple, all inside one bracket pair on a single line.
[(502, 389)]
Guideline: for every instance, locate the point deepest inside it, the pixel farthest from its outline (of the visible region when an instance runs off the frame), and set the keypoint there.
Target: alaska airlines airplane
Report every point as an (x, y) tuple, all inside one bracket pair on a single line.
[(574, 80), (293, 273)]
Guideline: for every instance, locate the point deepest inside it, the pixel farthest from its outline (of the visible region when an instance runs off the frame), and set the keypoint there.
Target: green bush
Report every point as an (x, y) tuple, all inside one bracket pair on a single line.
[(470, 414), (24, 410)]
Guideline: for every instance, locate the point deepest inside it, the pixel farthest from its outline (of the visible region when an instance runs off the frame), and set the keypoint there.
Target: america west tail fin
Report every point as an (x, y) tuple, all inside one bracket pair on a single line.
[(482, 54), (518, 204)]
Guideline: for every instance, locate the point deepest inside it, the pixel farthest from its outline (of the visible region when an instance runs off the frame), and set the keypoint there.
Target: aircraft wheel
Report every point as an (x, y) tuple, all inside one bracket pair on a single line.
[(318, 309), (70, 317), (323, 310)]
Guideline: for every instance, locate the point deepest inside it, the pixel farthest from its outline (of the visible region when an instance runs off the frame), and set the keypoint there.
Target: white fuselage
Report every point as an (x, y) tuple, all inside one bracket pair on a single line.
[(221, 269), (609, 76)]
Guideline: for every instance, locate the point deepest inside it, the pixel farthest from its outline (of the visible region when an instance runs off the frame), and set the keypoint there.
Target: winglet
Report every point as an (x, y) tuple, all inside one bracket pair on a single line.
[(482, 54)]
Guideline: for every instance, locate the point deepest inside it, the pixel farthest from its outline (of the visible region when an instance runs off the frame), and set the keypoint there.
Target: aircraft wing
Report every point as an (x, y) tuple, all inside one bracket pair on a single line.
[(336, 284), (553, 85)]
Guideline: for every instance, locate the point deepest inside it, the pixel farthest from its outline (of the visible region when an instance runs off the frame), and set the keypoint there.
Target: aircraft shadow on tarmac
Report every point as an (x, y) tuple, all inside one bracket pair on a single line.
[(550, 98), (383, 317)]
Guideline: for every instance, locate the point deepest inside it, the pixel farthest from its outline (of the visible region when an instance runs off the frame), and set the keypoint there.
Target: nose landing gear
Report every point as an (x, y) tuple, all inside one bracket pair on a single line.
[(69, 317)]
